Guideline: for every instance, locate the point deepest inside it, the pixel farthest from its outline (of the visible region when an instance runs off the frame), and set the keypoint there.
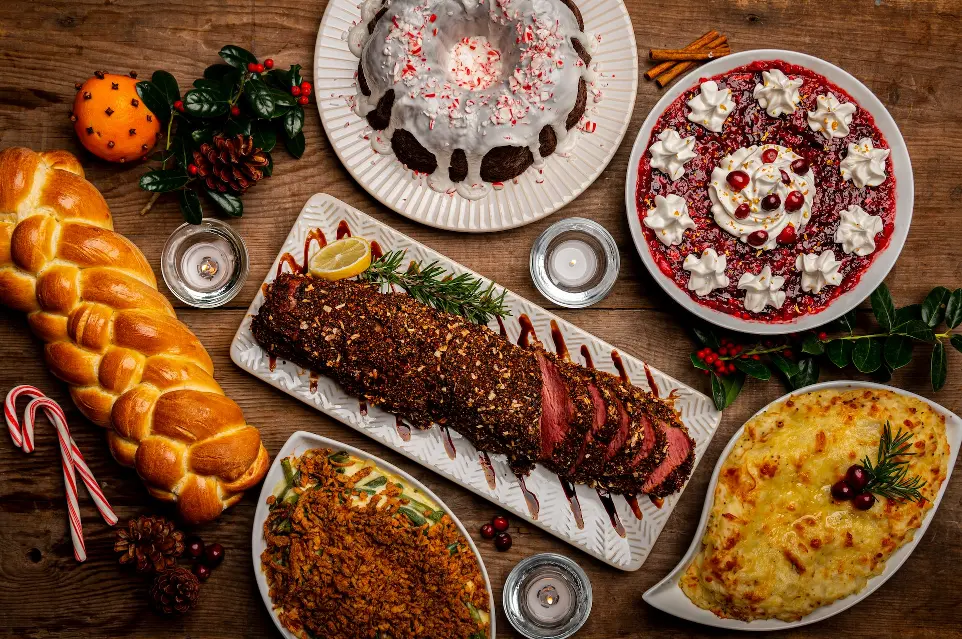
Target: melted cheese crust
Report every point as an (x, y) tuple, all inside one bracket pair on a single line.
[(777, 545)]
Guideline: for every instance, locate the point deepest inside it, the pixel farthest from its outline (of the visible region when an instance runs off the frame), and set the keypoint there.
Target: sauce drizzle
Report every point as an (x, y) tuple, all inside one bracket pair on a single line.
[(315, 378), (559, 342), (488, 469), (343, 230), (534, 506), (572, 496), (586, 354), (651, 381), (613, 517), (403, 430), (314, 235), (376, 251), (620, 365), (448, 442), (527, 330), (633, 504)]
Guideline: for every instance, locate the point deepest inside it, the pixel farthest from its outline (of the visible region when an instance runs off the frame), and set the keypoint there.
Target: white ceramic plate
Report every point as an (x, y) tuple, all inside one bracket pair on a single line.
[(298, 444), (595, 533), (883, 262), (668, 596), (533, 195)]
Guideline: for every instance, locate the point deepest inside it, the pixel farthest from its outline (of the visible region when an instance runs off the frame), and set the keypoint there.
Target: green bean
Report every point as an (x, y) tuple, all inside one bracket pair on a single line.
[(416, 518), (377, 482)]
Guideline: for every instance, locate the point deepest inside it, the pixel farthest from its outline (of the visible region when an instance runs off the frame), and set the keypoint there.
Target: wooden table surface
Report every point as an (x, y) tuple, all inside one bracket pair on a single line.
[(906, 51)]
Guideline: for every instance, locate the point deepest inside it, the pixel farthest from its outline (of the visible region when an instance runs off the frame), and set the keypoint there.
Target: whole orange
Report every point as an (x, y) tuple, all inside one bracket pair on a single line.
[(111, 121)]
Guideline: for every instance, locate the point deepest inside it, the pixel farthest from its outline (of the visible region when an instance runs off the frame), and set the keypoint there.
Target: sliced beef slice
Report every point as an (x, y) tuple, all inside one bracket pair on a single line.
[(673, 472), (590, 464), (581, 413)]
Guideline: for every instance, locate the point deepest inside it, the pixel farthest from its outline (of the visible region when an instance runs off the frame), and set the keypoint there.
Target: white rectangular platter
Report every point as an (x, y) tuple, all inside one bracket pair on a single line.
[(623, 543)]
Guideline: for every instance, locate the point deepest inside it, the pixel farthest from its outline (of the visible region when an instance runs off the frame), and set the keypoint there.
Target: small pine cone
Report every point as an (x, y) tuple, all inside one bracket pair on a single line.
[(230, 164), (152, 544), (174, 591)]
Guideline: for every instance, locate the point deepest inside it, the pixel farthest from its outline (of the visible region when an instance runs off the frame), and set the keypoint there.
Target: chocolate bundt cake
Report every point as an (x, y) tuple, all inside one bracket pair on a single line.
[(470, 93)]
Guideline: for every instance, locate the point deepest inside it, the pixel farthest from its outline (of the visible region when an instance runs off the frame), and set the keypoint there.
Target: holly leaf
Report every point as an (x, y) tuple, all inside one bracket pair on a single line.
[(939, 367), (237, 57), (260, 98), (956, 341), (933, 308), (190, 206), (199, 136), (808, 371), (167, 85), (283, 98), (839, 352), (812, 345), (215, 87), (265, 138), (155, 100), (884, 374), (240, 125), (907, 314), (295, 74), (279, 79), (846, 322), (753, 368), (867, 355), (953, 309), (897, 351), (883, 307), (205, 103), (269, 169), (698, 363), (917, 329), (706, 337), (295, 145), (725, 388), (227, 202), (294, 121), (787, 367), (162, 181)]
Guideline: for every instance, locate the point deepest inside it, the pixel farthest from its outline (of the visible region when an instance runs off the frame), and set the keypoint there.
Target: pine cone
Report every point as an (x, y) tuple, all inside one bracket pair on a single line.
[(150, 543), (174, 591), (230, 164)]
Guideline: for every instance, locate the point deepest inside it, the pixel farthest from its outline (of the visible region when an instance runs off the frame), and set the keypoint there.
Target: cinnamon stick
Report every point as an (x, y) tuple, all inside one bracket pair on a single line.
[(681, 54), (700, 43), (680, 67)]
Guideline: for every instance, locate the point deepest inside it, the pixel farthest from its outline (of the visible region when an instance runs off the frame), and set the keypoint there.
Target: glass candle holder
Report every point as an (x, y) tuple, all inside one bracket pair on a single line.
[(575, 262), (205, 265), (547, 596)]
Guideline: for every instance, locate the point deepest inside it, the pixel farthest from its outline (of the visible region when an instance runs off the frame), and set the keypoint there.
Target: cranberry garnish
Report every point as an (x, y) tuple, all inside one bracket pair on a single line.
[(800, 166), (864, 501), (842, 491), (788, 235), (771, 202), (743, 211), (487, 531), (213, 555), (502, 542), (500, 523), (769, 156), (202, 572), (194, 547), (794, 201), (738, 180), (857, 477), (785, 177), (757, 238)]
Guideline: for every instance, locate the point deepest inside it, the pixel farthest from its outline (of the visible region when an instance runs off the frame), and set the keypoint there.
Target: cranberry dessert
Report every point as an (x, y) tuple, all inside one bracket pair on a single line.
[(766, 192)]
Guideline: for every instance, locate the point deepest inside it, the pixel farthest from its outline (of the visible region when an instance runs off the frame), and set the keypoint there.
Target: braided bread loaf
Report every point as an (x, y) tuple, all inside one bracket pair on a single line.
[(132, 367)]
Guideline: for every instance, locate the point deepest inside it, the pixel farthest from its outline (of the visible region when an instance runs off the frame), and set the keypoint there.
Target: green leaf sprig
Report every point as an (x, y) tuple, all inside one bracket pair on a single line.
[(797, 359), (238, 97), (462, 294), (888, 475)]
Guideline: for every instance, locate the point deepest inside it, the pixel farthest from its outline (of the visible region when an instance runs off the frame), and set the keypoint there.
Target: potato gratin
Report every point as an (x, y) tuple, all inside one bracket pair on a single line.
[(777, 545)]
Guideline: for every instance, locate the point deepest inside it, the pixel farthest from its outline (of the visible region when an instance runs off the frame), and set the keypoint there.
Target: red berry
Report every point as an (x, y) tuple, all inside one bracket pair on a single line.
[(502, 542), (771, 202), (857, 477), (769, 156), (269, 63), (731, 368), (259, 68), (785, 178), (738, 179), (788, 235), (823, 336), (864, 501), (487, 531), (194, 546), (842, 491), (800, 166), (192, 169), (202, 572), (235, 110), (295, 90), (794, 201), (303, 100), (252, 67), (757, 238), (711, 359), (306, 87), (705, 371), (787, 353), (744, 210), (756, 357), (723, 351), (213, 555), (179, 105), (500, 523)]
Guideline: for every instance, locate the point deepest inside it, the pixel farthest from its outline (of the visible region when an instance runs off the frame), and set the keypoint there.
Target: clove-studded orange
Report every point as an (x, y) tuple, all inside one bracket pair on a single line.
[(111, 120)]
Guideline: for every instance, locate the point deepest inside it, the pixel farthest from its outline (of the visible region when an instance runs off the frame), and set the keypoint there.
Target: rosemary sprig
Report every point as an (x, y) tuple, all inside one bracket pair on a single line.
[(889, 473), (461, 294)]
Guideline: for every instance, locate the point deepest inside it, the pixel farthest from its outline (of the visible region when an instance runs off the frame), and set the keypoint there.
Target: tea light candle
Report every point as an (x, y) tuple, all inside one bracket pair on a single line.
[(573, 263), (204, 265), (547, 596), (549, 599), (207, 265)]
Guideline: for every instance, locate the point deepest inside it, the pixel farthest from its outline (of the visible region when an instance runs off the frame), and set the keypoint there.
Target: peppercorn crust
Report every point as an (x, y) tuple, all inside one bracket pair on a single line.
[(777, 545)]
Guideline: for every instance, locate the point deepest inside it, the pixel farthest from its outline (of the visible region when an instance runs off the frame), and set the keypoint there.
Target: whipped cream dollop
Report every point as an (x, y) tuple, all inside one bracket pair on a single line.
[(707, 272), (762, 290), (857, 230), (864, 165), (831, 118), (818, 271), (743, 212), (711, 107), (777, 93), (671, 152), (669, 219)]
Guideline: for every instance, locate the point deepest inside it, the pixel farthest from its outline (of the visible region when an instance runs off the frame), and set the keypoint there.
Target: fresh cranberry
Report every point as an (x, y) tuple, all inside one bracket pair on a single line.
[(857, 477), (864, 501), (194, 546), (794, 201), (213, 555), (787, 236), (738, 179), (769, 156), (202, 572), (295, 91), (757, 238), (235, 110), (785, 177), (842, 491), (303, 101), (503, 542), (269, 63), (800, 166), (487, 531), (500, 523), (743, 211), (771, 202)]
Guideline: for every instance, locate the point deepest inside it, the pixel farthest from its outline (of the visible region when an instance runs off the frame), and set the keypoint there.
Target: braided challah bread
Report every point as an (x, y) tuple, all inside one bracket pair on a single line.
[(132, 366)]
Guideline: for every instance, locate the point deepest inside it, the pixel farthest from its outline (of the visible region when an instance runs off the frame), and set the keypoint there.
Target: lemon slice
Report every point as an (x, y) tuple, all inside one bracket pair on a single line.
[(342, 259)]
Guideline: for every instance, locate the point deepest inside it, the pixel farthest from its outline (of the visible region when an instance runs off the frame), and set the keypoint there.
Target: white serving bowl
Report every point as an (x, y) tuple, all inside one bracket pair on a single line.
[(902, 168), (668, 596), (299, 443)]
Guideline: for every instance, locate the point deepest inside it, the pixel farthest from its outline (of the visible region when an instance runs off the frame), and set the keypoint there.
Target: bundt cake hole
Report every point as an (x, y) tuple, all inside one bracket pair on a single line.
[(412, 153), (575, 10), (579, 109), (377, 16), (459, 166), (581, 51), (362, 81), (380, 117), (504, 163), (548, 140)]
